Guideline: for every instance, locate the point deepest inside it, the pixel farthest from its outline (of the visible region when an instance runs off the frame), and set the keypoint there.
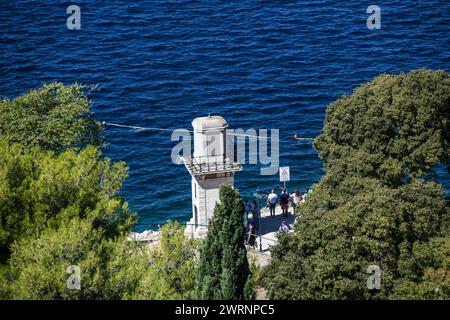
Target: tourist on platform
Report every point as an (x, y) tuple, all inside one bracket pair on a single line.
[(284, 202), (305, 194), (245, 221), (296, 197), (251, 236), (247, 232), (303, 200), (247, 209), (247, 206), (272, 202), (255, 213), (284, 228)]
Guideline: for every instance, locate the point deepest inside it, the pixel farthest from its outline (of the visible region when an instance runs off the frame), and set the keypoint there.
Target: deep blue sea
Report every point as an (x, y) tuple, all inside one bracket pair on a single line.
[(260, 64)]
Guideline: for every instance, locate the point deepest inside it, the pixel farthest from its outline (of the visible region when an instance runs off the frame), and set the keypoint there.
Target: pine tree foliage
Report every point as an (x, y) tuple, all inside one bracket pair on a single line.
[(53, 117)]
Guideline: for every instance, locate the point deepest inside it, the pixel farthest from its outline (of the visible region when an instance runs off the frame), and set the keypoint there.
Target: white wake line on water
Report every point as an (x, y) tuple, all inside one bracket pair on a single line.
[(171, 130)]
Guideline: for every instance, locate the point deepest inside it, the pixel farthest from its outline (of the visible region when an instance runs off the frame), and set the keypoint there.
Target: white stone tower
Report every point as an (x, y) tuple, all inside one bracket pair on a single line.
[(210, 168)]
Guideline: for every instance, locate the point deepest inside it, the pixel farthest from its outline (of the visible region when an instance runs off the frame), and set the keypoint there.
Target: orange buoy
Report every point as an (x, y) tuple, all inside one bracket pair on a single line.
[(295, 136)]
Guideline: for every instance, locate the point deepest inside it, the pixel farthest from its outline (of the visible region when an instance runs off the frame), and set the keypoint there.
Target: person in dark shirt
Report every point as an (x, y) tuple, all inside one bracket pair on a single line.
[(255, 214), (284, 202), (251, 237)]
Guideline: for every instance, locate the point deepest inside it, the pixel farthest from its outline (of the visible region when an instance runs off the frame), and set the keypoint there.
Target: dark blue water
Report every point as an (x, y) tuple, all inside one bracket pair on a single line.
[(260, 64)]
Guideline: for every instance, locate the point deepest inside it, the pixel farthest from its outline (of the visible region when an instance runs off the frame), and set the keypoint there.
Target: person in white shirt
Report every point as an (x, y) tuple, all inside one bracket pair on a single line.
[(272, 202), (306, 194), (296, 197)]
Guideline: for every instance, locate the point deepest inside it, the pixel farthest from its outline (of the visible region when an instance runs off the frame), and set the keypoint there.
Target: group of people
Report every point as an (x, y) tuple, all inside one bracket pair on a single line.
[(285, 198)]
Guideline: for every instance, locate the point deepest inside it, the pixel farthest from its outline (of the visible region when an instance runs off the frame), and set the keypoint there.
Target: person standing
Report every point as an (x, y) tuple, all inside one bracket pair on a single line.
[(255, 214), (306, 194), (247, 206), (245, 222), (296, 197), (247, 209), (251, 237), (272, 202), (283, 228), (284, 202)]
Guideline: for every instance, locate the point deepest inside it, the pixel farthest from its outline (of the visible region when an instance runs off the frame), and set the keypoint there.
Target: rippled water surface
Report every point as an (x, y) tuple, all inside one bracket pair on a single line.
[(260, 64)]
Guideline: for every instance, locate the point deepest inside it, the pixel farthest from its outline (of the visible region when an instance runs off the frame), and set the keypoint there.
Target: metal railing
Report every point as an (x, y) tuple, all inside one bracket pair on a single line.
[(211, 164)]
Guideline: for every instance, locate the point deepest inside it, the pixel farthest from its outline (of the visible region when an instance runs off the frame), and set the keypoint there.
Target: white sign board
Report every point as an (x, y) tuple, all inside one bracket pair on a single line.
[(284, 174)]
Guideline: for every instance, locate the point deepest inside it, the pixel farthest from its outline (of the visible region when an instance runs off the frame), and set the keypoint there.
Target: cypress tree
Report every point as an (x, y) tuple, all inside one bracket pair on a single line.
[(223, 269)]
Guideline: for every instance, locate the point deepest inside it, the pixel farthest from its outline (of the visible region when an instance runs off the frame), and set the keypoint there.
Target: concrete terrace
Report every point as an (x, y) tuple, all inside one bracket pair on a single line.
[(269, 230)]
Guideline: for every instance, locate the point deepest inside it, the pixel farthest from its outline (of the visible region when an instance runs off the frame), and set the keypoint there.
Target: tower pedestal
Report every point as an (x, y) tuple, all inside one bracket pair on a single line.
[(210, 169)]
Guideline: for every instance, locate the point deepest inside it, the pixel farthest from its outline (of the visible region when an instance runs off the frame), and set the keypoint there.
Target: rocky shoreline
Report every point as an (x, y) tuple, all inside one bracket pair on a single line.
[(149, 236)]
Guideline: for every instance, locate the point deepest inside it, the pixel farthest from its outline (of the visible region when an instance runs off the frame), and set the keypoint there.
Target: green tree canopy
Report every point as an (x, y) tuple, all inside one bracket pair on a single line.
[(109, 268), (54, 117), (392, 128), (39, 267), (169, 272), (60, 208), (223, 271), (373, 206), (343, 230), (40, 190)]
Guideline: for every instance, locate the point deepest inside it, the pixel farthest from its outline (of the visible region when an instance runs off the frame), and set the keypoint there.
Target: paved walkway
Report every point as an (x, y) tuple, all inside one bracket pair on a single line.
[(269, 230), (270, 226)]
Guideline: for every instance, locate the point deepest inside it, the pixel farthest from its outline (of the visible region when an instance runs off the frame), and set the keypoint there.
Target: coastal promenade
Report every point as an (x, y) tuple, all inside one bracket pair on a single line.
[(269, 228)]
